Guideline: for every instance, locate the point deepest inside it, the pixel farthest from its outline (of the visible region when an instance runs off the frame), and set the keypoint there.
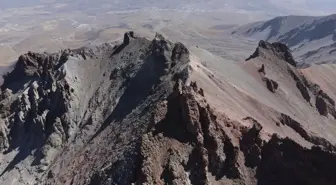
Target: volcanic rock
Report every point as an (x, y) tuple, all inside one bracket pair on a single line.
[(146, 111)]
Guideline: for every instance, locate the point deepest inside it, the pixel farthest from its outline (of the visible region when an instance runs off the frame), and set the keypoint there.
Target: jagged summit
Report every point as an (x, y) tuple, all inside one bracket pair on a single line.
[(279, 49), (53, 101), (276, 46), (312, 39), (310, 91)]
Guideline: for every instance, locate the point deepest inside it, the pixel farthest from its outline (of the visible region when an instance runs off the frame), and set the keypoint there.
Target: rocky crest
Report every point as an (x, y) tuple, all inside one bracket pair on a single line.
[(312, 93), (212, 149), (127, 113), (48, 102), (189, 143), (34, 104), (278, 49)]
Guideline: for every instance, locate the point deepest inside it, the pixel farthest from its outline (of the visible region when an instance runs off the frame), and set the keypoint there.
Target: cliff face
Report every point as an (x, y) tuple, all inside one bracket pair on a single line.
[(148, 112), (192, 144), (189, 143)]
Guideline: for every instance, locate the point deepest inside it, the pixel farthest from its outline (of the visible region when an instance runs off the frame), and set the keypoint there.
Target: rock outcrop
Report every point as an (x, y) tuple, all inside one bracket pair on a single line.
[(189, 137), (310, 92), (34, 105), (188, 142), (271, 84), (301, 84), (324, 104), (278, 49)]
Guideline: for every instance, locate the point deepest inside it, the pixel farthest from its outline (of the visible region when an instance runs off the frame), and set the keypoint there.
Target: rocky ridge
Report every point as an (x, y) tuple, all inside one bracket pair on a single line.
[(57, 102), (130, 113), (312, 39), (311, 92)]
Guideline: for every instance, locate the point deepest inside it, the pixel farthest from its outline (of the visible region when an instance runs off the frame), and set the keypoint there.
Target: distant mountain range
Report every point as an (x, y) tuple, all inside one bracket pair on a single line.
[(312, 39), (270, 7)]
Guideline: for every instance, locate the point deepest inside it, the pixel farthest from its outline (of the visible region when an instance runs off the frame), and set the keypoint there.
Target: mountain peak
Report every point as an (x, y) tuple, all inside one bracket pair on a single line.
[(312, 39), (128, 36), (276, 48), (47, 98)]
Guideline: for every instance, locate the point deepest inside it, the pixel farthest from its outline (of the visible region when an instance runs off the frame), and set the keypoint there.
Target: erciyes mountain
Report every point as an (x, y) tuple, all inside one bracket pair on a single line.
[(151, 111), (214, 92)]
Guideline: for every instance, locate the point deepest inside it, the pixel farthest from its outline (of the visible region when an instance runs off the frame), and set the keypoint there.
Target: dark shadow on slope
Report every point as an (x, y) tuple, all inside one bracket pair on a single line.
[(138, 89), (23, 154), (31, 134), (173, 126), (25, 150), (121, 172), (33, 139), (127, 37), (286, 162), (196, 165)]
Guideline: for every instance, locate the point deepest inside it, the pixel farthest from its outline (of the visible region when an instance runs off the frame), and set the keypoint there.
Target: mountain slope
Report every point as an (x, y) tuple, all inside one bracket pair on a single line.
[(155, 112), (312, 39), (61, 101)]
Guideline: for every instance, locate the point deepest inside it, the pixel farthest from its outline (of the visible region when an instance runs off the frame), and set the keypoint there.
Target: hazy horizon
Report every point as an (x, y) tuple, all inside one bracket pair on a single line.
[(268, 7)]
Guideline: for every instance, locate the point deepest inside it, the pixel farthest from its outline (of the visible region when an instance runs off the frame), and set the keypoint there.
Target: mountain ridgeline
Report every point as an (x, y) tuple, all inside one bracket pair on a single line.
[(312, 39), (151, 112)]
